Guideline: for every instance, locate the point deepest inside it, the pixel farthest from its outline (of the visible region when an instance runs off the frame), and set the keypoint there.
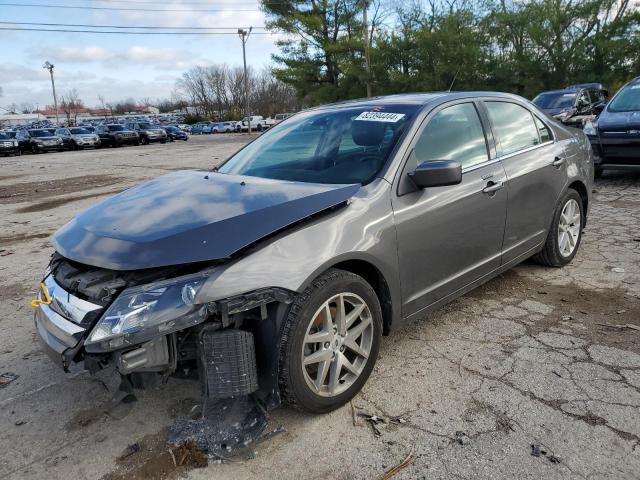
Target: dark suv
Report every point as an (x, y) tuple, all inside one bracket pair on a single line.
[(147, 132), (573, 105), (117, 135), (9, 144), (42, 140), (615, 134)]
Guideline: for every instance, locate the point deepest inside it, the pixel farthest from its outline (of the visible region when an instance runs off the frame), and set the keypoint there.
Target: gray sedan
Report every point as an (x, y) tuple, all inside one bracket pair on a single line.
[(276, 275)]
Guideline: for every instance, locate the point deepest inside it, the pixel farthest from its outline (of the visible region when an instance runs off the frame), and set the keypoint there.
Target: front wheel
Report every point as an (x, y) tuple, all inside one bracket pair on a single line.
[(565, 234), (330, 342)]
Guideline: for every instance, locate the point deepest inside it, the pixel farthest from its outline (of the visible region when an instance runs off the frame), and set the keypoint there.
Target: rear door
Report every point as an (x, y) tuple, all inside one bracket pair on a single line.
[(449, 236), (535, 165)]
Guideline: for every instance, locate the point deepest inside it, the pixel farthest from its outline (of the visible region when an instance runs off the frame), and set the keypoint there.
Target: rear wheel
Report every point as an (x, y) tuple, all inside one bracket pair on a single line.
[(330, 342), (565, 234)]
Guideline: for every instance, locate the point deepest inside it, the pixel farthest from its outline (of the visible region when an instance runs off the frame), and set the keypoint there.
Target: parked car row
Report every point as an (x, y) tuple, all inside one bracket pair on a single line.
[(612, 126), (36, 140)]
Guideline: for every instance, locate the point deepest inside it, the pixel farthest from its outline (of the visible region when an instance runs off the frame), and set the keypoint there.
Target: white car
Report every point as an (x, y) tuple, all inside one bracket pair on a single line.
[(258, 123)]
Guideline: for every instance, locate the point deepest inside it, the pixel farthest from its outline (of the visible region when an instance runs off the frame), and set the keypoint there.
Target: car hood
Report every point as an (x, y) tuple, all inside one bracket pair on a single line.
[(557, 111), (52, 137), (188, 217), (618, 121)]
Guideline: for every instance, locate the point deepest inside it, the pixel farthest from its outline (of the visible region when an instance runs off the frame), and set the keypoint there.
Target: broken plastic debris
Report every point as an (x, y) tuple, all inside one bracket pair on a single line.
[(227, 425), (6, 378)]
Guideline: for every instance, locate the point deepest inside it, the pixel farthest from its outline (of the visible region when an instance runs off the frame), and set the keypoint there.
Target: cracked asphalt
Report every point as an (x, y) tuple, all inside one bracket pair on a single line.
[(548, 358)]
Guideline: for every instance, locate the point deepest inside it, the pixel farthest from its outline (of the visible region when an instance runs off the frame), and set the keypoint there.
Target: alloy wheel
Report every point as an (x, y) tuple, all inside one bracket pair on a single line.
[(337, 344), (569, 227)]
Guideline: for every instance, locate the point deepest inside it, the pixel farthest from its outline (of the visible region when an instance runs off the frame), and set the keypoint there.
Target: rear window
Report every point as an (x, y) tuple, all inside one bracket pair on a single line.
[(555, 100), (513, 125)]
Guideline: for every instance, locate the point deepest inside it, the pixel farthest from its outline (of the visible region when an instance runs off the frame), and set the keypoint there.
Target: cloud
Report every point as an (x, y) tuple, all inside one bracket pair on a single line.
[(165, 58), (19, 73)]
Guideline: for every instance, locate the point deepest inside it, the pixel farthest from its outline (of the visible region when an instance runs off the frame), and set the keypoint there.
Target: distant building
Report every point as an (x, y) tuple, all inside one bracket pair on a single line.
[(12, 119)]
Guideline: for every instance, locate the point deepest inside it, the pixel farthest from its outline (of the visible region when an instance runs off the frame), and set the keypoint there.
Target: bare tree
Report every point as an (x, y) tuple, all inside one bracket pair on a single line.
[(70, 103)]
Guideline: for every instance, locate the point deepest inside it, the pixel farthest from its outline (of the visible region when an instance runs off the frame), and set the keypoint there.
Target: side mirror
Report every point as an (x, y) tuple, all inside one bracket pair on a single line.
[(599, 108), (437, 173)]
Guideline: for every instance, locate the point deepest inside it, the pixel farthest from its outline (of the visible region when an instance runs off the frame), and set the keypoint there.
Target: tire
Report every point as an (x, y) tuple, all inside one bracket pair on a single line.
[(259, 128), (136, 143), (294, 378), (553, 254)]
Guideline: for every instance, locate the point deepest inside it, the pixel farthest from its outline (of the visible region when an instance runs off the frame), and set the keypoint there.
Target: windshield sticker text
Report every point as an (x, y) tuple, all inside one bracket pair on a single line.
[(380, 117)]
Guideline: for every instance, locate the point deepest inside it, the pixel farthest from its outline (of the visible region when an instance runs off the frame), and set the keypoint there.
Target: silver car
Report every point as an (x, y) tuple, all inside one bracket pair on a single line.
[(77, 138), (276, 275)]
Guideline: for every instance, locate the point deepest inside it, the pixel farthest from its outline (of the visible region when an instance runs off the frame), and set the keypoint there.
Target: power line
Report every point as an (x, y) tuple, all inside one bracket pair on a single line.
[(85, 7), (185, 3), (235, 29), (120, 32)]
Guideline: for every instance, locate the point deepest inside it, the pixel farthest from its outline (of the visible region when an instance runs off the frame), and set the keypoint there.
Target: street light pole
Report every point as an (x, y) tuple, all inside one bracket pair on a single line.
[(244, 36), (49, 66)]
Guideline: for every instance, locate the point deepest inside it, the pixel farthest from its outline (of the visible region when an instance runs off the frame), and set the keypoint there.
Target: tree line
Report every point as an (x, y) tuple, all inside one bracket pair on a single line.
[(218, 92), (522, 47)]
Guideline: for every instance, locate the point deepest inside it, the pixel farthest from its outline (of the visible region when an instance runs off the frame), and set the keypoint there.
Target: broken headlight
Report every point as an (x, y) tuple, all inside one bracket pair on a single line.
[(148, 311), (590, 128)]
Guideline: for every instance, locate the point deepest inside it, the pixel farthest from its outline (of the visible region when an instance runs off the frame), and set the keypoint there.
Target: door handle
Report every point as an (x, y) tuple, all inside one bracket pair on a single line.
[(558, 162), (493, 187)]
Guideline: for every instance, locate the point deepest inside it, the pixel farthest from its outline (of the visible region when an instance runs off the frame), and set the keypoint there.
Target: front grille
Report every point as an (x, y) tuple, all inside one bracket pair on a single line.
[(100, 285), (624, 154)]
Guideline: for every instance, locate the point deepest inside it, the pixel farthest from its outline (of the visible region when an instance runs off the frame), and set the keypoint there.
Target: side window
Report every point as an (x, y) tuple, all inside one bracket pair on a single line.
[(513, 125), (454, 133), (543, 130)]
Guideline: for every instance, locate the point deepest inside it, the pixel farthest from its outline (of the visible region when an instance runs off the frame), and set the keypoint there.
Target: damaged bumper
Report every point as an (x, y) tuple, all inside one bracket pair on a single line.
[(61, 320), (231, 335)]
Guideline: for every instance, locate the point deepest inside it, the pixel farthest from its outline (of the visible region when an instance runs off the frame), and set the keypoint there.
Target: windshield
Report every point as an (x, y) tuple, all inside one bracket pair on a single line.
[(145, 126), (79, 131), (4, 136), (348, 145), (39, 133), (115, 128), (627, 100), (555, 100), (10, 134)]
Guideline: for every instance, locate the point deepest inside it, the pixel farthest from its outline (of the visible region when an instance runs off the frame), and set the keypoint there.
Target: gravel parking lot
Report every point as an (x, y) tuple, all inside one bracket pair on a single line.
[(537, 361)]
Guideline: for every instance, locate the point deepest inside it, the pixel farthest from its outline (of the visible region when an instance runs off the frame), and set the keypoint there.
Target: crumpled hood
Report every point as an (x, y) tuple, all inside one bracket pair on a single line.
[(190, 216), (618, 121), (558, 111)]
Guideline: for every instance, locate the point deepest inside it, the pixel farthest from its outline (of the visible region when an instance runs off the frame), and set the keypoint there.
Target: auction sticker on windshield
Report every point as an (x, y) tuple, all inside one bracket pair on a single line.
[(380, 117)]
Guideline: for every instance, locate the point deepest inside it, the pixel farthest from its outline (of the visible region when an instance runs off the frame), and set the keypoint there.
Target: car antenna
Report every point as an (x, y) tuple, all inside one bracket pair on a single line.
[(454, 80)]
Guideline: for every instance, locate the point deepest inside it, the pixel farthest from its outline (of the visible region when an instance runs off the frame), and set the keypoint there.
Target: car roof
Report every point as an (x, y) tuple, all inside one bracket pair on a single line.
[(420, 99)]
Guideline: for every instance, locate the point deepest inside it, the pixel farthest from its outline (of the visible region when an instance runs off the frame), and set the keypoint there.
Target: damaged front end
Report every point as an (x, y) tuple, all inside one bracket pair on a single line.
[(150, 324)]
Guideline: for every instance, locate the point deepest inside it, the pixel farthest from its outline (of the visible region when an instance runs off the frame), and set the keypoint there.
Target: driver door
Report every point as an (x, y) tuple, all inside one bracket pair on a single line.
[(450, 236)]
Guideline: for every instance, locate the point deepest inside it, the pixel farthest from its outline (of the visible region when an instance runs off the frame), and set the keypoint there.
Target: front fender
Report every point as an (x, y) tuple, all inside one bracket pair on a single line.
[(362, 230)]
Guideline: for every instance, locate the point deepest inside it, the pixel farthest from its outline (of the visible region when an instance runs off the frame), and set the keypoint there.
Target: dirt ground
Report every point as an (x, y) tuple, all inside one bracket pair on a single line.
[(534, 375)]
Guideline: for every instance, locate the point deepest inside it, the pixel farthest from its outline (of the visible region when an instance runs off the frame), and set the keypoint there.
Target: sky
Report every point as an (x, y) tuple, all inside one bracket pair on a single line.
[(118, 67)]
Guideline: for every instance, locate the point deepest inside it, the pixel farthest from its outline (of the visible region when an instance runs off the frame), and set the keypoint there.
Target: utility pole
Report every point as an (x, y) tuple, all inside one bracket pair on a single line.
[(365, 32), (49, 66), (244, 36)]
